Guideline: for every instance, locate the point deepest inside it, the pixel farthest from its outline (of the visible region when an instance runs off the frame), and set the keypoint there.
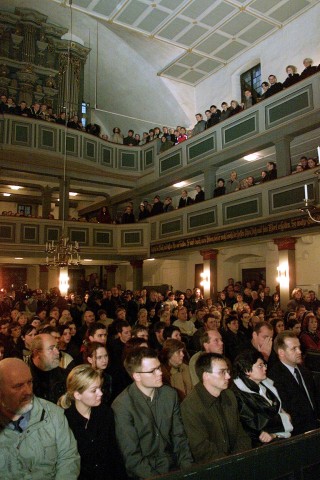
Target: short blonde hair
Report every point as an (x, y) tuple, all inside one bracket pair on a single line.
[(79, 379)]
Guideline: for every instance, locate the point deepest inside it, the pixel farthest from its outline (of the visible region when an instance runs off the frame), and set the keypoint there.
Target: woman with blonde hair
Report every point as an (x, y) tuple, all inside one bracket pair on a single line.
[(92, 425)]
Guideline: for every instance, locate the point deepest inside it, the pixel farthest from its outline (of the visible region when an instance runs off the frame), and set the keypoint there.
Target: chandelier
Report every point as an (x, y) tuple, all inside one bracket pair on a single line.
[(309, 203), (63, 253)]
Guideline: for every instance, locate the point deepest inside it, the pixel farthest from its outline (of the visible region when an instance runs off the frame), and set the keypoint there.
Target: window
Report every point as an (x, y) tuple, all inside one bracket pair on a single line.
[(251, 80), (25, 210)]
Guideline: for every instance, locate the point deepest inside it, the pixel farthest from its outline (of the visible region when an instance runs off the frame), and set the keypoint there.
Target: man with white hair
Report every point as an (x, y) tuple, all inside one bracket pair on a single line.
[(35, 439)]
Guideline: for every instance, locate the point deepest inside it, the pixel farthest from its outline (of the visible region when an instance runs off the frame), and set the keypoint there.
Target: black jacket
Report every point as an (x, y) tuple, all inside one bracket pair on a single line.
[(256, 413), (294, 400), (49, 385), (100, 457)]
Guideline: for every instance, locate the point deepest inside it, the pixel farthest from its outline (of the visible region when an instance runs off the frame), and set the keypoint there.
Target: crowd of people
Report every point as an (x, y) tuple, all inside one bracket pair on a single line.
[(148, 381), (168, 136)]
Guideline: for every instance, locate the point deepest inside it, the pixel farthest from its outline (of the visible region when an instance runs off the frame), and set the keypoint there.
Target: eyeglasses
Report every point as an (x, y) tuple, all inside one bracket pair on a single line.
[(222, 373), (261, 365), (153, 371)]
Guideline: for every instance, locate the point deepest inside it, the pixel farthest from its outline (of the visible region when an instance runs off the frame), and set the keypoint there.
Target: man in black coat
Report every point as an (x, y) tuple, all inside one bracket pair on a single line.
[(295, 384), (275, 86), (49, 380)]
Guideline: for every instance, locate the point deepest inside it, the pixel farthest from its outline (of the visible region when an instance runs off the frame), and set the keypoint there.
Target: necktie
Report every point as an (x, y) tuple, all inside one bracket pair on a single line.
[(299, 378)]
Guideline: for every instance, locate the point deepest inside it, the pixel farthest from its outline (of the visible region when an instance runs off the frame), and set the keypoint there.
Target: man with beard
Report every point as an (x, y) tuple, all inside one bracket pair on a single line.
[(35, 440)]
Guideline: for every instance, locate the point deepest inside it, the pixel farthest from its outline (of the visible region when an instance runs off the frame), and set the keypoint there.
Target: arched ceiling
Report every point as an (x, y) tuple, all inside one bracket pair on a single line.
[(208, 34)]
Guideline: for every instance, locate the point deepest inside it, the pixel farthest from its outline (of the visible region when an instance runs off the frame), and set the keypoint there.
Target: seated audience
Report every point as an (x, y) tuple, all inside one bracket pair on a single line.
[(259, 404), (117, 136), (92, 424), (185, 200), (210, 412)]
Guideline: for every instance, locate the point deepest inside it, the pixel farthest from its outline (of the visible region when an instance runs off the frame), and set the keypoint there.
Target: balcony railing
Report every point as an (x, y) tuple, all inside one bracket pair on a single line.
[(288, 113)]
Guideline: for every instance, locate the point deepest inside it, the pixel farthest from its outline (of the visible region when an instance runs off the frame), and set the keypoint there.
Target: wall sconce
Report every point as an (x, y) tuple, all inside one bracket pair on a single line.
[(283, 276), (63, 281), (205, 282)]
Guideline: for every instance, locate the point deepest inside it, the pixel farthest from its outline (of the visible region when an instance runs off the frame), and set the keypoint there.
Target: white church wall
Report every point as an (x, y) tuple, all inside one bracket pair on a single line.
[(290, 45)]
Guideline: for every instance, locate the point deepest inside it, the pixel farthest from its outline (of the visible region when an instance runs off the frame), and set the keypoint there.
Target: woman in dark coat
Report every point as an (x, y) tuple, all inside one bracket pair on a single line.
[(92, 425), (261, 414)]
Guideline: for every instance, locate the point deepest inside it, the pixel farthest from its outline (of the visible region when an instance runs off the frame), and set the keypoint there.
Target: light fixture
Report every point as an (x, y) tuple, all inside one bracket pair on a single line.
[(64, 253), (251, 157), (309, 203), (63, 281), (15, 187), (283, 277), (73, 194), (205, 282), (18, 258), (6, 194), (180, 184), (87, 260), (150, 259)]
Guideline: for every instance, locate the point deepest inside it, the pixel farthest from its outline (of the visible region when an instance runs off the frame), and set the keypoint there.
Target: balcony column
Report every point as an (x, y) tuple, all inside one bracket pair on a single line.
[(64, 189), (111, 276), (137, 274), (210, 274), (210, 175), (287, 268), (283, 156), (46, 201)]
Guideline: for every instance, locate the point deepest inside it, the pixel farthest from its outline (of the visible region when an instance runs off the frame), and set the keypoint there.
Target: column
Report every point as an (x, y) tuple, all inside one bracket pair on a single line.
[(46, 201), (283, 156), (137, 274), (210, 175), (286, 268), (64, 185), (210, 274), (111, 275)]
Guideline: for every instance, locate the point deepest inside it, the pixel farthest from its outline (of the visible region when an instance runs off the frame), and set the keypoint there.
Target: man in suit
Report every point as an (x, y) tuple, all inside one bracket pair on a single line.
[(295, 384)]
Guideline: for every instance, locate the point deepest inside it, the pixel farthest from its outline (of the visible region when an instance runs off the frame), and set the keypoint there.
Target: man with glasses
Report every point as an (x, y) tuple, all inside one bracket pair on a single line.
[(149, 430), (49, 380), (210, 412)]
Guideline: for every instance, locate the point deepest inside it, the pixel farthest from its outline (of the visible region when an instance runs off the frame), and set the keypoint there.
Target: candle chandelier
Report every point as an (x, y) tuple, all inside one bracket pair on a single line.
[(309, 203), (63, 253)]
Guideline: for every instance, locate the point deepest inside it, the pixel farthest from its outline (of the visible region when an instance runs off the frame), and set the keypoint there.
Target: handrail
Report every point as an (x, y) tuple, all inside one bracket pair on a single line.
[(295, 458)]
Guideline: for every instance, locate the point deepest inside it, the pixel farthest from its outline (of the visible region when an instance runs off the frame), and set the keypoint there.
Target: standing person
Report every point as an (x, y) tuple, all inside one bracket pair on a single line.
[(92, 425), (148, 423), (200, 196), (35, 440), (185, 200)]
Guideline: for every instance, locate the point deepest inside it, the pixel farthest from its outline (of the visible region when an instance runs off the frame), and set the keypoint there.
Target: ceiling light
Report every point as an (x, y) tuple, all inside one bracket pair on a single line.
[(73, 194), (87, 259), (18, 258), (15, 187), (180, 184), (251, 157), (6, 194), (150, 259)]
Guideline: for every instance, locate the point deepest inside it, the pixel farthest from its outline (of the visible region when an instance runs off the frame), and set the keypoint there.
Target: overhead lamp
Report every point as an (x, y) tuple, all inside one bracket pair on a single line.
[(18, 258), (87, 260), (73, 194), (180, 184), (251, 157), (6, 194), (15, 187)]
